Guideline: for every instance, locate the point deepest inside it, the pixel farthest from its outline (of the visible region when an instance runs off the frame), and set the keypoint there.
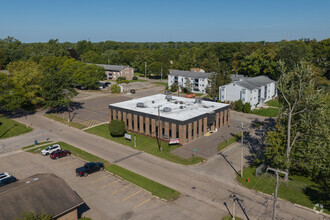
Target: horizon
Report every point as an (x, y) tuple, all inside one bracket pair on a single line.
[(148, 21)]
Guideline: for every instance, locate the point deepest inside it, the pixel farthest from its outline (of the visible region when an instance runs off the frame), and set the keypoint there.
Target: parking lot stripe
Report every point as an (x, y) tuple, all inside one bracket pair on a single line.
[(133, 195), (100, 179), (103, 187), (120, 189), (142, 203)]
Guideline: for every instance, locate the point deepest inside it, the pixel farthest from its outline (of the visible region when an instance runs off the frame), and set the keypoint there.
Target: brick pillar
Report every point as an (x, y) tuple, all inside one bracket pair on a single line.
[(119, 115), (141, 124), (167, 129), (114, 113), (195, 130), (173, 130), (135, 118), (182, 134), (189, 132), (129, 116), (153, 127), (147, 119), (200, 124), (124, 118), (225, 116), (221, 116), (109, 115), (217, 120), (205, 124), (228, 115)]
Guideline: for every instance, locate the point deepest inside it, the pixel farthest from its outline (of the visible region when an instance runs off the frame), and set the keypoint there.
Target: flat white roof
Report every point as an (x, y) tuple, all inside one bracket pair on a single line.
[(191, 108)]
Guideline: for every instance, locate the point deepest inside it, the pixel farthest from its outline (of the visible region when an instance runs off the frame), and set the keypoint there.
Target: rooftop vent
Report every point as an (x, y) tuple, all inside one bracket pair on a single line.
[(181, 102), (176, 102), (198, 101), (166, 109), (181, 107), (168, 97), (140, 104), (153, 101)]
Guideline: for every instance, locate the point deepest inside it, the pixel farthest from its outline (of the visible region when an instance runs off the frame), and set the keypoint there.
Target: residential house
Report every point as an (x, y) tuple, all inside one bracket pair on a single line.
[(198, 80), (256, 90), (41, 193), (115, 71)]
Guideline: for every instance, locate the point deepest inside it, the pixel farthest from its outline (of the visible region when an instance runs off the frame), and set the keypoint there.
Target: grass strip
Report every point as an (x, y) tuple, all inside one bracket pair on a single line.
[(160, 83), (145, 183), (228, 217), (65, 121), (32, 145), (229, 141), (146, 144), (273, 103), (266, 112), (155, 188), (11, 128), (300, 190), (137, 80)]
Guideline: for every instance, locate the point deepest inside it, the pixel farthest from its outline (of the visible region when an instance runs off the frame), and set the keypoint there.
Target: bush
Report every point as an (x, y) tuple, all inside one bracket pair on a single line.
[(115, 88), (185, 90), (247, 107), (238, 105), (121, 78), (117, 128), (135, 78), (174, 87)]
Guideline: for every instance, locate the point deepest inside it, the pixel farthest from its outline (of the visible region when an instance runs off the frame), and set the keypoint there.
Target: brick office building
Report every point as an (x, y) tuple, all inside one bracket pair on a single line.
[(186, 119)]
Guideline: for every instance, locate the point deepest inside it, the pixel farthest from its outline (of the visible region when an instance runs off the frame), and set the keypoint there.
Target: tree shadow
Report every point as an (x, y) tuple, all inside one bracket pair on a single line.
[(16, 114), (317, 195), (73, 106), (81, 209), (8, 130)]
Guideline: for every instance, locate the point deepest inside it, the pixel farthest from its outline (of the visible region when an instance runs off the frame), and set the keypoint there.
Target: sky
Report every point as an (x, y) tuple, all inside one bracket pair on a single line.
[(166, 20)]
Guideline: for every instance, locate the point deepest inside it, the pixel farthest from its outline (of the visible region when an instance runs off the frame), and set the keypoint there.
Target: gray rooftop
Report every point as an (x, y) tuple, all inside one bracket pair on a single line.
[(237, 77), (255, 82), (42, 193), (190, 110), (191, 74), (116, 68)]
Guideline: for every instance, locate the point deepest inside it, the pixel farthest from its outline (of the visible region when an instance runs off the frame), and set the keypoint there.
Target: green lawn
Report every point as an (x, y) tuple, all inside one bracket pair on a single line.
[(229, 141), (10, 128), (228, 217), (161, 83), (32, 145), (266, 112), (146, 144), (64, 121), (298, 189), (145, 183), (138, 80), (273, 103)]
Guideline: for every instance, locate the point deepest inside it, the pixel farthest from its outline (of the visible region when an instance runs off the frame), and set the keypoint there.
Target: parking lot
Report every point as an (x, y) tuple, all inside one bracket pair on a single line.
[(106, 196)]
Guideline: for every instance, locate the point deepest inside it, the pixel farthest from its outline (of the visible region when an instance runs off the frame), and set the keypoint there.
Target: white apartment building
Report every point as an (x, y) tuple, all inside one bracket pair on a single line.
[(198, 80), (256, 90)]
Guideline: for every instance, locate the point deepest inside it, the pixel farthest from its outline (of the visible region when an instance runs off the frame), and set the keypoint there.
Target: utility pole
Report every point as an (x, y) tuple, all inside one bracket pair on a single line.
[(242, 154), (277, 171), (145, 69)]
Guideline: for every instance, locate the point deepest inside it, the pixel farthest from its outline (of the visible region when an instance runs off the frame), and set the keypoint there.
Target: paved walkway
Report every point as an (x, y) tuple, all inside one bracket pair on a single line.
[(190, 181)]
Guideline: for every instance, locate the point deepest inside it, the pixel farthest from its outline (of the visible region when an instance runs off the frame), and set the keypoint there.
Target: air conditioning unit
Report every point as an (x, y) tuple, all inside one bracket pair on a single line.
[(140, 104), (166, 109)]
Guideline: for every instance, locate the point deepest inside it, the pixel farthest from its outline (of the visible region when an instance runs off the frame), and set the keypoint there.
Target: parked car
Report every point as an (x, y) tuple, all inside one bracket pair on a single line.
[(6, 178), (107, 84), (211, 100), (168, 92), (132, 91), (89, 168), (59, 153), (101, 85), (190, 95), (50, 149)]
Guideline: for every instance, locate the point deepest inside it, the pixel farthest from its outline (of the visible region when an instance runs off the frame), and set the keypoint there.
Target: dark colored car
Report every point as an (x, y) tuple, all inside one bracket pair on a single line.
[(168, 93), (6, 179), (132, 91), (59, 154), (89, 168), (211, 100)]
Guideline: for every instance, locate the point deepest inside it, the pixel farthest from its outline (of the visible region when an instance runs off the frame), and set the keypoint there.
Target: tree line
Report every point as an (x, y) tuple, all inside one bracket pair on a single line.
[(247, 58)]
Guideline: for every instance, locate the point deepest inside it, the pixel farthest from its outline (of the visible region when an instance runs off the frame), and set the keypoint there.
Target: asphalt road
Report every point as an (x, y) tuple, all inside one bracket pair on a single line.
[(199, 183)]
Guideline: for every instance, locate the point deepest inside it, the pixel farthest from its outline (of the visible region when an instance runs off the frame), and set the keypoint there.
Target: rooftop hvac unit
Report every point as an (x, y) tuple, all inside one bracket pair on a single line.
[(181, 107), (181, 102), (140, 104), (168, 97), (198, 101), (166, 109), (176, 102)]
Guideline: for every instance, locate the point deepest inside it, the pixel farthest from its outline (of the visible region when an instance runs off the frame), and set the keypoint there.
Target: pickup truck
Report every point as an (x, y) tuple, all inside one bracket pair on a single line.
[(89, 168)]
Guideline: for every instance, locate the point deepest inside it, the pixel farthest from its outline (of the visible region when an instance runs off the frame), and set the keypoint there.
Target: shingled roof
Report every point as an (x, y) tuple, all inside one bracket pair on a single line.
[(45, 193), (191, 74), (112, 67), (255, 82)]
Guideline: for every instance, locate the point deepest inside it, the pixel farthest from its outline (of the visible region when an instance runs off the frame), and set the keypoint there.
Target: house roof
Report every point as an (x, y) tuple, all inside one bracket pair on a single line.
[(45, 193), (237, 77), (191, 74), (255, 82), (112, 67)]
